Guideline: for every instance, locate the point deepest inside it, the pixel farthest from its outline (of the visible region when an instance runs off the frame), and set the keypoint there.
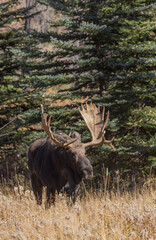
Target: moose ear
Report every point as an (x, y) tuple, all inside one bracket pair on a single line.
[(76, 135)]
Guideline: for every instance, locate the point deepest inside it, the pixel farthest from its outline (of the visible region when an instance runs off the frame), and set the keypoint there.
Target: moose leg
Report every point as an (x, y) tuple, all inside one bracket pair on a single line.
[(37, 188), (50, 198), (73, 192), (73, 188)]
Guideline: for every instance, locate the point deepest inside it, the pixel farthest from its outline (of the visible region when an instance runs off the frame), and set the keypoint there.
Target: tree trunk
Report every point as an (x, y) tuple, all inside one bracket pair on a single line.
[(37, 17)]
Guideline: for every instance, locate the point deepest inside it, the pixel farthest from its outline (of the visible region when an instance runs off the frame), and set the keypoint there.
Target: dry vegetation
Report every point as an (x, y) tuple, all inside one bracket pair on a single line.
[(96, 217)]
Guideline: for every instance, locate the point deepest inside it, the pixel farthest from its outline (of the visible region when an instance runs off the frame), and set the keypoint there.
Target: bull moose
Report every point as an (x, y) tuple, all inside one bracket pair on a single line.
[(59, 160)]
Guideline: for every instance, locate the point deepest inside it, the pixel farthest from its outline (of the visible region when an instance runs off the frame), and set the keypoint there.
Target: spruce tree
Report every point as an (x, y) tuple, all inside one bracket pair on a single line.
[(19, 57), (105, 52)]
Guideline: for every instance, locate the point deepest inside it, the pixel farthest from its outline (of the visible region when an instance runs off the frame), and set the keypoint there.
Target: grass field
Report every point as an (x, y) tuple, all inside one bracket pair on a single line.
[(95, 217)]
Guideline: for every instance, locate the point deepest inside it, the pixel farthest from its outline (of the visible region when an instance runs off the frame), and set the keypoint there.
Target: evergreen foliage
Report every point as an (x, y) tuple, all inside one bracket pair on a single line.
[(106, 52), (19, 56)]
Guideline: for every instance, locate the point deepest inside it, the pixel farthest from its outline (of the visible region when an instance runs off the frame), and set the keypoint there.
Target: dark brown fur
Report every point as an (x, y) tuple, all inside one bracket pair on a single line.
[(56, 167)]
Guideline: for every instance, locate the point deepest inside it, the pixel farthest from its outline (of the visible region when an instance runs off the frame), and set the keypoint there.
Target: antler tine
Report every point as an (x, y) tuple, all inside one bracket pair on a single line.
[(42, 109), (49, 121), (109, 142), (83, 109), (86, 105), (47, 129), (44, 119), (105, 124), (68, 137), (98, 108), (103, 113), (67, 144)]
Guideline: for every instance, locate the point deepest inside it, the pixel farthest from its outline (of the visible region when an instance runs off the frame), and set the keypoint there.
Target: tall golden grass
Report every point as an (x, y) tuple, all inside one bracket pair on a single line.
[(97, 216)]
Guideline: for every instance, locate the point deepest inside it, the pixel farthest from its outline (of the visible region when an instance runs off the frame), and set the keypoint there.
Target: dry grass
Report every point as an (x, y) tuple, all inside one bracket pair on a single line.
[(130, 216)]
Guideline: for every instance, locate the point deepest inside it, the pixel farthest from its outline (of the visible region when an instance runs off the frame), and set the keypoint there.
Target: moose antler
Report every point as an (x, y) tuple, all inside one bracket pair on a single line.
[(47, 129), (94, 120)]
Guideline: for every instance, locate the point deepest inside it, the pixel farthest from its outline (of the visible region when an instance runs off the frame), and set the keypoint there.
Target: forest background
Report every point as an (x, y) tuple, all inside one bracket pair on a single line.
[(63, 53)]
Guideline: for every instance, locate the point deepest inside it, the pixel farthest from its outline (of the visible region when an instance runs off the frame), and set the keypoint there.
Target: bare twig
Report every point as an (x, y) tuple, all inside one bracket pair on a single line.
[(5, 134), (6, 124)]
